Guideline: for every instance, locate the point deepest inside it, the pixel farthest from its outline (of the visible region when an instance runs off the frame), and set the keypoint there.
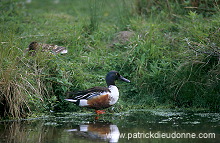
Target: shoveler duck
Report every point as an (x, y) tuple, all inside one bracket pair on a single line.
[(54, 49), (99, 97)]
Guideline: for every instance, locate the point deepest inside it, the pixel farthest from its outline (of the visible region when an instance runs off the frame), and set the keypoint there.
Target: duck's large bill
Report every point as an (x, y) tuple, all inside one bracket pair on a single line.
[(124, 79)]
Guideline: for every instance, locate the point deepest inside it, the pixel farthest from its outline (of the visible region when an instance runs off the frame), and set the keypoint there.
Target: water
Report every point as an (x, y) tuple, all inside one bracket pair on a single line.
[(133, 126)]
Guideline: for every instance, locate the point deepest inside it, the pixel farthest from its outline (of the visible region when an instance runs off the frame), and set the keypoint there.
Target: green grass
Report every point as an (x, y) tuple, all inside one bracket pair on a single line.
[(172, 59)]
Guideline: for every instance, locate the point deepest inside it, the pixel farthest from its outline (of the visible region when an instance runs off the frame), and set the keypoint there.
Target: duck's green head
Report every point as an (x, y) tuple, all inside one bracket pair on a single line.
[(114, 75)]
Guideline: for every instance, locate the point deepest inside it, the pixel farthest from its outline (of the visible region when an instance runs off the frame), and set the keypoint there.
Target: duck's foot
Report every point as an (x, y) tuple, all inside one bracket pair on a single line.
[(98, 112)]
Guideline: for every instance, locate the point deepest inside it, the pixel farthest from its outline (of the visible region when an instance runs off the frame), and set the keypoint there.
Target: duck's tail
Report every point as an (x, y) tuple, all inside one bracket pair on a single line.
[(81, 102), (71, 100)]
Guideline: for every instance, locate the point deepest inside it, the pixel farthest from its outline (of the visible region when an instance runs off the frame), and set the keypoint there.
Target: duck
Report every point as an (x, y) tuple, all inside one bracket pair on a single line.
[(54, 49), (99, 98)]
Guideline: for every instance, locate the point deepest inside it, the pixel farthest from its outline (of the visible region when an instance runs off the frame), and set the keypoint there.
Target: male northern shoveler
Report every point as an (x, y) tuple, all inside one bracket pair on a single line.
[(54, 49), (99, 97)]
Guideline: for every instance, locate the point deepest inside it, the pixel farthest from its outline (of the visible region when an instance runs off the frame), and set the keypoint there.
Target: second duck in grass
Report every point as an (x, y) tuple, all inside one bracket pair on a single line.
[(35, 47), (99, 97)]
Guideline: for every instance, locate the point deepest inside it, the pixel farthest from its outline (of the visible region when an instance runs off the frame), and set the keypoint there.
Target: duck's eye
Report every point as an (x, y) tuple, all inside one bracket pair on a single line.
[(116, 74)]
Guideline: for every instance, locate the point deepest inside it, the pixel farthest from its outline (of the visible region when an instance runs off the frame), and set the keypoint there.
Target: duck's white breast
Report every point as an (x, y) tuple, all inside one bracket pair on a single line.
[(114, 94)]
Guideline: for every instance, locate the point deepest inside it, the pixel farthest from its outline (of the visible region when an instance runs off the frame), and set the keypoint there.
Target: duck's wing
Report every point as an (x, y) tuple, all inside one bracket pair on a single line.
[(55, 49), (60, 49), (89, 93)]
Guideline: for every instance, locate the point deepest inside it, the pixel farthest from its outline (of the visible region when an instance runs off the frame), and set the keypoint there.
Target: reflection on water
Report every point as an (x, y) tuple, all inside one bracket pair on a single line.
[(55, 1), (78, 127), (98, 131), (28, 1)]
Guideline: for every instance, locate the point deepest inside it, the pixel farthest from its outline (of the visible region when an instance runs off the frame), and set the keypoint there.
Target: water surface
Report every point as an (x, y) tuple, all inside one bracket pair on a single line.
[(147, 126)]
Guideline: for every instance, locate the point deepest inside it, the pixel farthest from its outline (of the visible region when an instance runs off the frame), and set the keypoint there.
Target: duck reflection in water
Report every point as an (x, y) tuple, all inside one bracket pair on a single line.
[(97, 131)]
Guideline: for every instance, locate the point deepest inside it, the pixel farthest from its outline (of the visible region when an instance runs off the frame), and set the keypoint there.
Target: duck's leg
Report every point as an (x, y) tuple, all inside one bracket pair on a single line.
[(98, 112)]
